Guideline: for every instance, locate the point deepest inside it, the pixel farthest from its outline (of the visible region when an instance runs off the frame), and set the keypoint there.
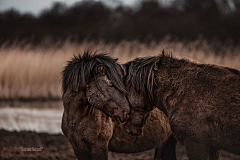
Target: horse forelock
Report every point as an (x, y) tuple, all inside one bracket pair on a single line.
[(81, 69)]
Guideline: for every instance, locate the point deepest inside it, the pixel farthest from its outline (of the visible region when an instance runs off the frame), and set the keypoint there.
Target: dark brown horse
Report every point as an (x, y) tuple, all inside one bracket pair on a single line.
[(90, 131), (201, 101), (98, 68)]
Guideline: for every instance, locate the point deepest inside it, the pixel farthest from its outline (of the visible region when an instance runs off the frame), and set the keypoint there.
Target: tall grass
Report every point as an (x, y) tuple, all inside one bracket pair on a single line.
[(35, 73)]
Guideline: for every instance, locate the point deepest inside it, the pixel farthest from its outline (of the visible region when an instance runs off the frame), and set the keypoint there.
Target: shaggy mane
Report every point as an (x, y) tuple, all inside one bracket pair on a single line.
[(79, 71), (140, 73)]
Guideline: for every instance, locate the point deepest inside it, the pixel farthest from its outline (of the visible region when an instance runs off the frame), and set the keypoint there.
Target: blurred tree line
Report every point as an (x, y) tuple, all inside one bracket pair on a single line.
[(88, 20)]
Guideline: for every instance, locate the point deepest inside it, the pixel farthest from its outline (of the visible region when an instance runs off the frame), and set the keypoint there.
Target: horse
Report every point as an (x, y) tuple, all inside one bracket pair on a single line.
[(91, 132), (98, 68), (201, 101)]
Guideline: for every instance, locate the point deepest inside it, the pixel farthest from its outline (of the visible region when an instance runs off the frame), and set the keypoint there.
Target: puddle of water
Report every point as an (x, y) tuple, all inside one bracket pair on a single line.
[(31, 119)]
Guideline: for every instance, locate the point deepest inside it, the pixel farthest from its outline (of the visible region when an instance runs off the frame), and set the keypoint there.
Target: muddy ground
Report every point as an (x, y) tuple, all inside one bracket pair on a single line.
[(18, 145)]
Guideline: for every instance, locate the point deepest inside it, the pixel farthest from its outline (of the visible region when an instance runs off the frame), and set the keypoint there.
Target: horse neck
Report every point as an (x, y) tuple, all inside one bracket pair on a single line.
[(171, 85)]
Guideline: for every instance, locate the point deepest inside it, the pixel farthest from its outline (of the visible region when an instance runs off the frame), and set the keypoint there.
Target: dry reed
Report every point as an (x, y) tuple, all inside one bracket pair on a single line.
[(28, 73)]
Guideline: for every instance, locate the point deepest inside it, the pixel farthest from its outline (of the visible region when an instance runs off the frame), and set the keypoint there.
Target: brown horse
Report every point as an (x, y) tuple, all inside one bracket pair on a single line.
[(90, 131), (201, 101), (82, 70)]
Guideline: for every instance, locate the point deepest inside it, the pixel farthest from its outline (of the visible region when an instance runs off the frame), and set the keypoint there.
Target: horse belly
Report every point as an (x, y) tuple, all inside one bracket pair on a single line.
[(230, 139), (219, 130), (232, 147), (128, 147)]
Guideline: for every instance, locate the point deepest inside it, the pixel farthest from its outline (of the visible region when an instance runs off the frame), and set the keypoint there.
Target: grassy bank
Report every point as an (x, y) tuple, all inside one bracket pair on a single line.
[(35, 73)]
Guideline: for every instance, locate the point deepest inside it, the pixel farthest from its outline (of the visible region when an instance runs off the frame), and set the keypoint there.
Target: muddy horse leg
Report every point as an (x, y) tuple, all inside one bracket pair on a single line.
[(157, 153), (214, 155), (81, 155), (100, 152), (168, 152), (199, 151)]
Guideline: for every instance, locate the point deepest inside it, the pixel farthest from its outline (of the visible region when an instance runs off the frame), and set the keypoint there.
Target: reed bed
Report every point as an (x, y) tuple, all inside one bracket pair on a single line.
[(35, 72)]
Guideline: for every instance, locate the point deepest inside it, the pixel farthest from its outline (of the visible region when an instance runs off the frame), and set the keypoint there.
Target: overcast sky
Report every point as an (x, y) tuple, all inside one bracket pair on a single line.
[(35, 6)]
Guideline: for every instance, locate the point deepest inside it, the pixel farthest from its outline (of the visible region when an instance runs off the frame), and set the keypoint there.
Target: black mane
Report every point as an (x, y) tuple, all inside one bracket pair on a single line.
[(82, 69), (140, 73)]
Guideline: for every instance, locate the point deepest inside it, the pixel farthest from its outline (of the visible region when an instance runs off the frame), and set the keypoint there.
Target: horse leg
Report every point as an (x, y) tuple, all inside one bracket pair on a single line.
[(81, 154), (214, 155), (100, 152), (168, 152), (157, 153), (199, 151)]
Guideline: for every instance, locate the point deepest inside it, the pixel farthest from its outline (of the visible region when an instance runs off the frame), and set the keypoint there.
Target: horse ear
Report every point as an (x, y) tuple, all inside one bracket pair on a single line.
[(100, 70)]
